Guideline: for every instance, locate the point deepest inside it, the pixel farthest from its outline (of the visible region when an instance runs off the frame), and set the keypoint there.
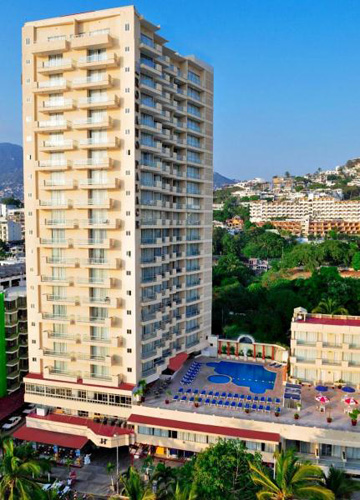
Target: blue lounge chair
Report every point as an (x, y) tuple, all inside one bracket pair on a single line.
[(176, 397), (227, 404), (203, 393), (256, 398), (223, 394), (220, 403), (247, 406), (200, 400), (211, 393), (262, 399), (278, 410), (248, 398), (233, 405), (240, 405), (217, 394), (254, 407), (236, 395), (184, 398), (268, 408), (277, 401), (214, 401), (188, 391), (269, 400), (207, 401), (196, 391), (191, 400), (181, 389), (242, 397), (230, 395), (261, 408)]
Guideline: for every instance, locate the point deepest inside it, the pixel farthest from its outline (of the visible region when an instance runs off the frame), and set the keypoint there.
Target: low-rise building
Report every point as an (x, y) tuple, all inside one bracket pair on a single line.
[(10, 231)]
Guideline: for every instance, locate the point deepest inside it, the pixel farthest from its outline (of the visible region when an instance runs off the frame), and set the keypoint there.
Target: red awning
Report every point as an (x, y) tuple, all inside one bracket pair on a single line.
[(48, 437), (177, 361), (206, 429)]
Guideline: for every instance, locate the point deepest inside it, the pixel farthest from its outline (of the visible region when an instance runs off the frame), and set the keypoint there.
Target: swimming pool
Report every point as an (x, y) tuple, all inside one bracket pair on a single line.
[(256, 377)]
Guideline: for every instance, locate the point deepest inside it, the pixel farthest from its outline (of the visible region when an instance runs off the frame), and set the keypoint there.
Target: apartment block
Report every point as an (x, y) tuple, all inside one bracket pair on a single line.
[(118, 168), (325, 348), (10, 231), (13, 339), (315, 209)]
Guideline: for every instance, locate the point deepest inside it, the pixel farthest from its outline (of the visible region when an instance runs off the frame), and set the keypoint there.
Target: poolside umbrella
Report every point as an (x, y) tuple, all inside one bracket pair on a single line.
[(322, 399), (321, 388), (348, 389), (351, 401)]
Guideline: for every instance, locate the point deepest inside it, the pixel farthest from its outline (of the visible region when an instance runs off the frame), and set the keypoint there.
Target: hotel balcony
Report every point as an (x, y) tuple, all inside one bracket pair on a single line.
[(96, 184), (57, 374), (49, 204), (63, 337), (57, 105), (89, 163), (50, 86), (57, 318), (114, 341), (95, 320), (91, 123), (52, 165), (150, 68), (154, 147), (54, 242), (96, 282), (94, 203), (155, 89), (89, 82), (52, 184), (60, 299), (53, 146), (101, 263), (95, 243), (61, 261), (52, 126), (50, 280), (99, 223), (98, 61), (51, 353), (92, 41), (99, 102), (55, 66), (150, 47), (91, 143), (93, 378), (47, 47), (155, 108), (101, 302)]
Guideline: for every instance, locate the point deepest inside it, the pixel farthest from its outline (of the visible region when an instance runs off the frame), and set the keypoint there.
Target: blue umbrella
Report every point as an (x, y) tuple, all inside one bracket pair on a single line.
[(321, 388), (348, 389)]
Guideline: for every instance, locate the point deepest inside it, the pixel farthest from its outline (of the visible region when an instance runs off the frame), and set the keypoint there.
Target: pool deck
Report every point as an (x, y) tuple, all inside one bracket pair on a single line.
[(310, 414)]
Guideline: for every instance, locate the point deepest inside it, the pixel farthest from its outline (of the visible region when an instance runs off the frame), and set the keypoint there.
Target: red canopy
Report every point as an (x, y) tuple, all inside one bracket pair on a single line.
[(48, 437), (177, 361)]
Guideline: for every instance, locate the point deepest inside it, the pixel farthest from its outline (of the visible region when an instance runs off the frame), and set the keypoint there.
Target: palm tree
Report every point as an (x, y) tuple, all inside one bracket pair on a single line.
[(133, 487), (185, 492), (110, 467), (18, 473), (342, 486), (165, 478), (329, 306), (292, 480)]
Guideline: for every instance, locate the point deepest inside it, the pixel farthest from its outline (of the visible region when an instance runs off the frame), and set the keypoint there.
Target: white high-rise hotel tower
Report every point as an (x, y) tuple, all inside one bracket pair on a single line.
[(118, 140)]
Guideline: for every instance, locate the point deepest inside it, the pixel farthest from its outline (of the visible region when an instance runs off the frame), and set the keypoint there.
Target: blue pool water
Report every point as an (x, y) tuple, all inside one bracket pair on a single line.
[(256, 377)]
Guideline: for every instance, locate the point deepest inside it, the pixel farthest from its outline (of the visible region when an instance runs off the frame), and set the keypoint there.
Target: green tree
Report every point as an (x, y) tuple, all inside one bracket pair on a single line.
[(341, 485), (19, 470), (355, 263), (165, 478), (329, 306), (292, 480), (134, 487), (222, 472), (110, 468)]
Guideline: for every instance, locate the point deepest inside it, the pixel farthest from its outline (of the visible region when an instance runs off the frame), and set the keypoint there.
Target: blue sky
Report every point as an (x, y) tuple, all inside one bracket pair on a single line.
[(287, 75)]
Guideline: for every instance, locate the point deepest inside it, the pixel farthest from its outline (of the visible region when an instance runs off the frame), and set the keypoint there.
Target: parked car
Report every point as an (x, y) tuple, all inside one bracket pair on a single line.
[(13, 422)]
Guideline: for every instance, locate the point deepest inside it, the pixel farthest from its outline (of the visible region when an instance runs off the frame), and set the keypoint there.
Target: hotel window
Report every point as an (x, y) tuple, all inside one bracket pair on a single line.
[(193, 77)]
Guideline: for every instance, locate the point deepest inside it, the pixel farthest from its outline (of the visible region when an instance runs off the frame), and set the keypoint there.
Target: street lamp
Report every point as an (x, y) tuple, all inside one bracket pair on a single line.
[(117, 463)]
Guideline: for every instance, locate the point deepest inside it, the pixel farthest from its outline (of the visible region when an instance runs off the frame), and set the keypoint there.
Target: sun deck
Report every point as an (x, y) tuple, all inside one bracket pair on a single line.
[(310, 413)]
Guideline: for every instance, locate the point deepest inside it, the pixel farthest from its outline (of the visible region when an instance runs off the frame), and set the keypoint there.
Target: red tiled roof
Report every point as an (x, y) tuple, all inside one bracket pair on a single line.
[(331, 321), (9, 404), (98, 428), (48, 437), (208, 429), (177, 361), (40, 376)]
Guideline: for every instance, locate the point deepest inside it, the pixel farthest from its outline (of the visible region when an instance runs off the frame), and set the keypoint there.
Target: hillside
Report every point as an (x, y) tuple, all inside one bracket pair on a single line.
[(11, 170), (221, 180)]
